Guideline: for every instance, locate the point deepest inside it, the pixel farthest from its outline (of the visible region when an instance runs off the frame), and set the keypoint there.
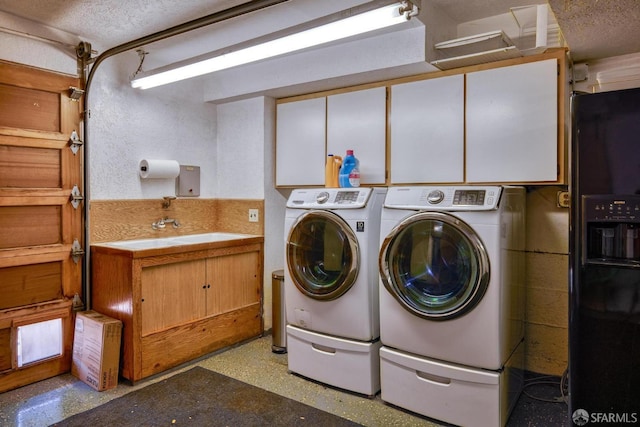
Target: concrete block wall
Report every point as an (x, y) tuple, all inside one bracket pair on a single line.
[(547, 282)]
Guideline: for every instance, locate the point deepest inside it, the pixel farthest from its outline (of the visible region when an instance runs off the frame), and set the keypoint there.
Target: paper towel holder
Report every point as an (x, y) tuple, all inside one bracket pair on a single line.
[(159, 169), (188, 181)]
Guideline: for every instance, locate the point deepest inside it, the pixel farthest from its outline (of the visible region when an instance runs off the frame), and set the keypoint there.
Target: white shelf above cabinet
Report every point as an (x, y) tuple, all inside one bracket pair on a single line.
[(479, 48), (519, 31), (539, 28), (478, 58)]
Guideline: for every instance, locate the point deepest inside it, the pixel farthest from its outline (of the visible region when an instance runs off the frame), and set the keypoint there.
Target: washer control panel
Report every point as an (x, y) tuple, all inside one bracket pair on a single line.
[(329, 198)]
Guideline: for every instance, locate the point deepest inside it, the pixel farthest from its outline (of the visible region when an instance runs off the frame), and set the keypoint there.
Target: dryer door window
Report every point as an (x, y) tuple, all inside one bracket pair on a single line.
[(434, 265), (322, 255)]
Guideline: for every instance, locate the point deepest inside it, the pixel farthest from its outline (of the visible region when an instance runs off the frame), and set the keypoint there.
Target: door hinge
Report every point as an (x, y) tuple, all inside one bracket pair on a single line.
[(75, 142), (76, 197), (76, 251), (75, 93)]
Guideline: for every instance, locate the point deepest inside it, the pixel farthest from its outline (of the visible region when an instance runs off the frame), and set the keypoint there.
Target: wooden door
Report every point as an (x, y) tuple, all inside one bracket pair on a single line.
[(172, 295), (234, 281), (38, 224)]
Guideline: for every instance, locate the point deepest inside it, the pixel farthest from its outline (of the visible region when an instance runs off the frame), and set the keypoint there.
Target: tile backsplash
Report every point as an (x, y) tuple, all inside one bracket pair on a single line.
[(131, 219)]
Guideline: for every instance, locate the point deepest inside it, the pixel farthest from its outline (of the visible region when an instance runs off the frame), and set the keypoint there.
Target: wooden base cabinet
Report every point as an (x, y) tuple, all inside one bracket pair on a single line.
[(176, 307)]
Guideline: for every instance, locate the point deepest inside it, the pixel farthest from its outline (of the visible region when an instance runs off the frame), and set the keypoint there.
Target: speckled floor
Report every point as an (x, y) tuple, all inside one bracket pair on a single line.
[(52, 400)]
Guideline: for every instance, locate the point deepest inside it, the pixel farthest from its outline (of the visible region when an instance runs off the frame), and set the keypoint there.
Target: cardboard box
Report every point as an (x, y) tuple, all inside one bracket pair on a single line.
[(96, 350)]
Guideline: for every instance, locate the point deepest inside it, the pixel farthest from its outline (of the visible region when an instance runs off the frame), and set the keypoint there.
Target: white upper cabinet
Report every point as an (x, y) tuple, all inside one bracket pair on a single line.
[(357, 121), (512, 123), (300, 136), (503, 123), (427, 131)]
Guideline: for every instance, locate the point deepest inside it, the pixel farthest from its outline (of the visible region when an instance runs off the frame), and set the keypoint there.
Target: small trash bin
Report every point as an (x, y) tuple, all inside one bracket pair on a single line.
[(278, 313)]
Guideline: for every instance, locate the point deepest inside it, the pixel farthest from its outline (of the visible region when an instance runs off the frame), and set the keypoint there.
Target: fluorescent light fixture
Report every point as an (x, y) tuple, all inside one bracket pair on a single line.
[(382, 17)]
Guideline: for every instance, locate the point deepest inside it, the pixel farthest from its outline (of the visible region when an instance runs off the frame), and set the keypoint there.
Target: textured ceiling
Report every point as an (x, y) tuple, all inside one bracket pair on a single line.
[(593, 28), (113, 22), (596, 29)]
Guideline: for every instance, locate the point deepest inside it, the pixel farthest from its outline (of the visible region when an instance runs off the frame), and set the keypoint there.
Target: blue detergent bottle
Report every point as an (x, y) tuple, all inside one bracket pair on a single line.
[(349, 171)]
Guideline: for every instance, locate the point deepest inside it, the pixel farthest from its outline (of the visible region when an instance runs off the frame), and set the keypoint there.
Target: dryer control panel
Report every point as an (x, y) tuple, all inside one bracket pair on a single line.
[(463, 198), (329, 198)]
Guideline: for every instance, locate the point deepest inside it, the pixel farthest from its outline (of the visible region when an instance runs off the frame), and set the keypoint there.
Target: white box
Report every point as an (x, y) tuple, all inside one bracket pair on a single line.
[(346, 364)]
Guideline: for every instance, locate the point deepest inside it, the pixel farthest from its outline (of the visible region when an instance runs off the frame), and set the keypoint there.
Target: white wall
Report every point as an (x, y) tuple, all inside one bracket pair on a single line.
[(246, 142), (127, 125), (274, 210), (241, 148)]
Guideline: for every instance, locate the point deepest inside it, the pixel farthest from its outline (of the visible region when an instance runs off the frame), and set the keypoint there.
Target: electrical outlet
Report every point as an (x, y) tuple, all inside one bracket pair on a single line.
[(253, 215), (563, 199)]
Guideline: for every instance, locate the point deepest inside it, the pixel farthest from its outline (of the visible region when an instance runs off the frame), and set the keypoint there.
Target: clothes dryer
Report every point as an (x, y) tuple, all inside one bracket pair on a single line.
[(452, 301), (331, 282)]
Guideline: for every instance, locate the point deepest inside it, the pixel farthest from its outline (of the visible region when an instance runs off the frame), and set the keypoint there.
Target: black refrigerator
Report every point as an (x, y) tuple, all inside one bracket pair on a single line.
[(604, 258)]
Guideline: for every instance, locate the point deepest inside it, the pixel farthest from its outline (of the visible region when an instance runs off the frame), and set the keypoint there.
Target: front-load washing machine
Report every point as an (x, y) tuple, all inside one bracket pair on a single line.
[(331, 282), (452, 301)]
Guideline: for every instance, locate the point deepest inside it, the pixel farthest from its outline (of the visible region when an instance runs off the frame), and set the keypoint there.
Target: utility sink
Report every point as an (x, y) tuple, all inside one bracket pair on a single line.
[(209, 237), (164, 242), (143, 243)]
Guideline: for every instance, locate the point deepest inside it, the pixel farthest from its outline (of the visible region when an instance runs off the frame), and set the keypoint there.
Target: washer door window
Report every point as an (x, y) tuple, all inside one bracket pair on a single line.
[(322, 255), (434, 265)]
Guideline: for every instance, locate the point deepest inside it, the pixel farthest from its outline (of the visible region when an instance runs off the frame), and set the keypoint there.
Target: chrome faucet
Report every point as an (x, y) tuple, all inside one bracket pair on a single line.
[(160, 224), (167, 201)]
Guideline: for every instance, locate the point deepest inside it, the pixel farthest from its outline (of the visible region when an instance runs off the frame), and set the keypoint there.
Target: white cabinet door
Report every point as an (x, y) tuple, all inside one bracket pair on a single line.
[(427, 131), (512, 123), (300, 143), (357, 121)]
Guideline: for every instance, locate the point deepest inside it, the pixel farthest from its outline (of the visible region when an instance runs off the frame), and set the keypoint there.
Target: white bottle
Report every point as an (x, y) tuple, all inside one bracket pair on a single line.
[(354, 176)]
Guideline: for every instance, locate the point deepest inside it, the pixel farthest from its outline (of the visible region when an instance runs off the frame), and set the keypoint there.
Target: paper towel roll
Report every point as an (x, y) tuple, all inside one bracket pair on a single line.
[(159, 169)]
